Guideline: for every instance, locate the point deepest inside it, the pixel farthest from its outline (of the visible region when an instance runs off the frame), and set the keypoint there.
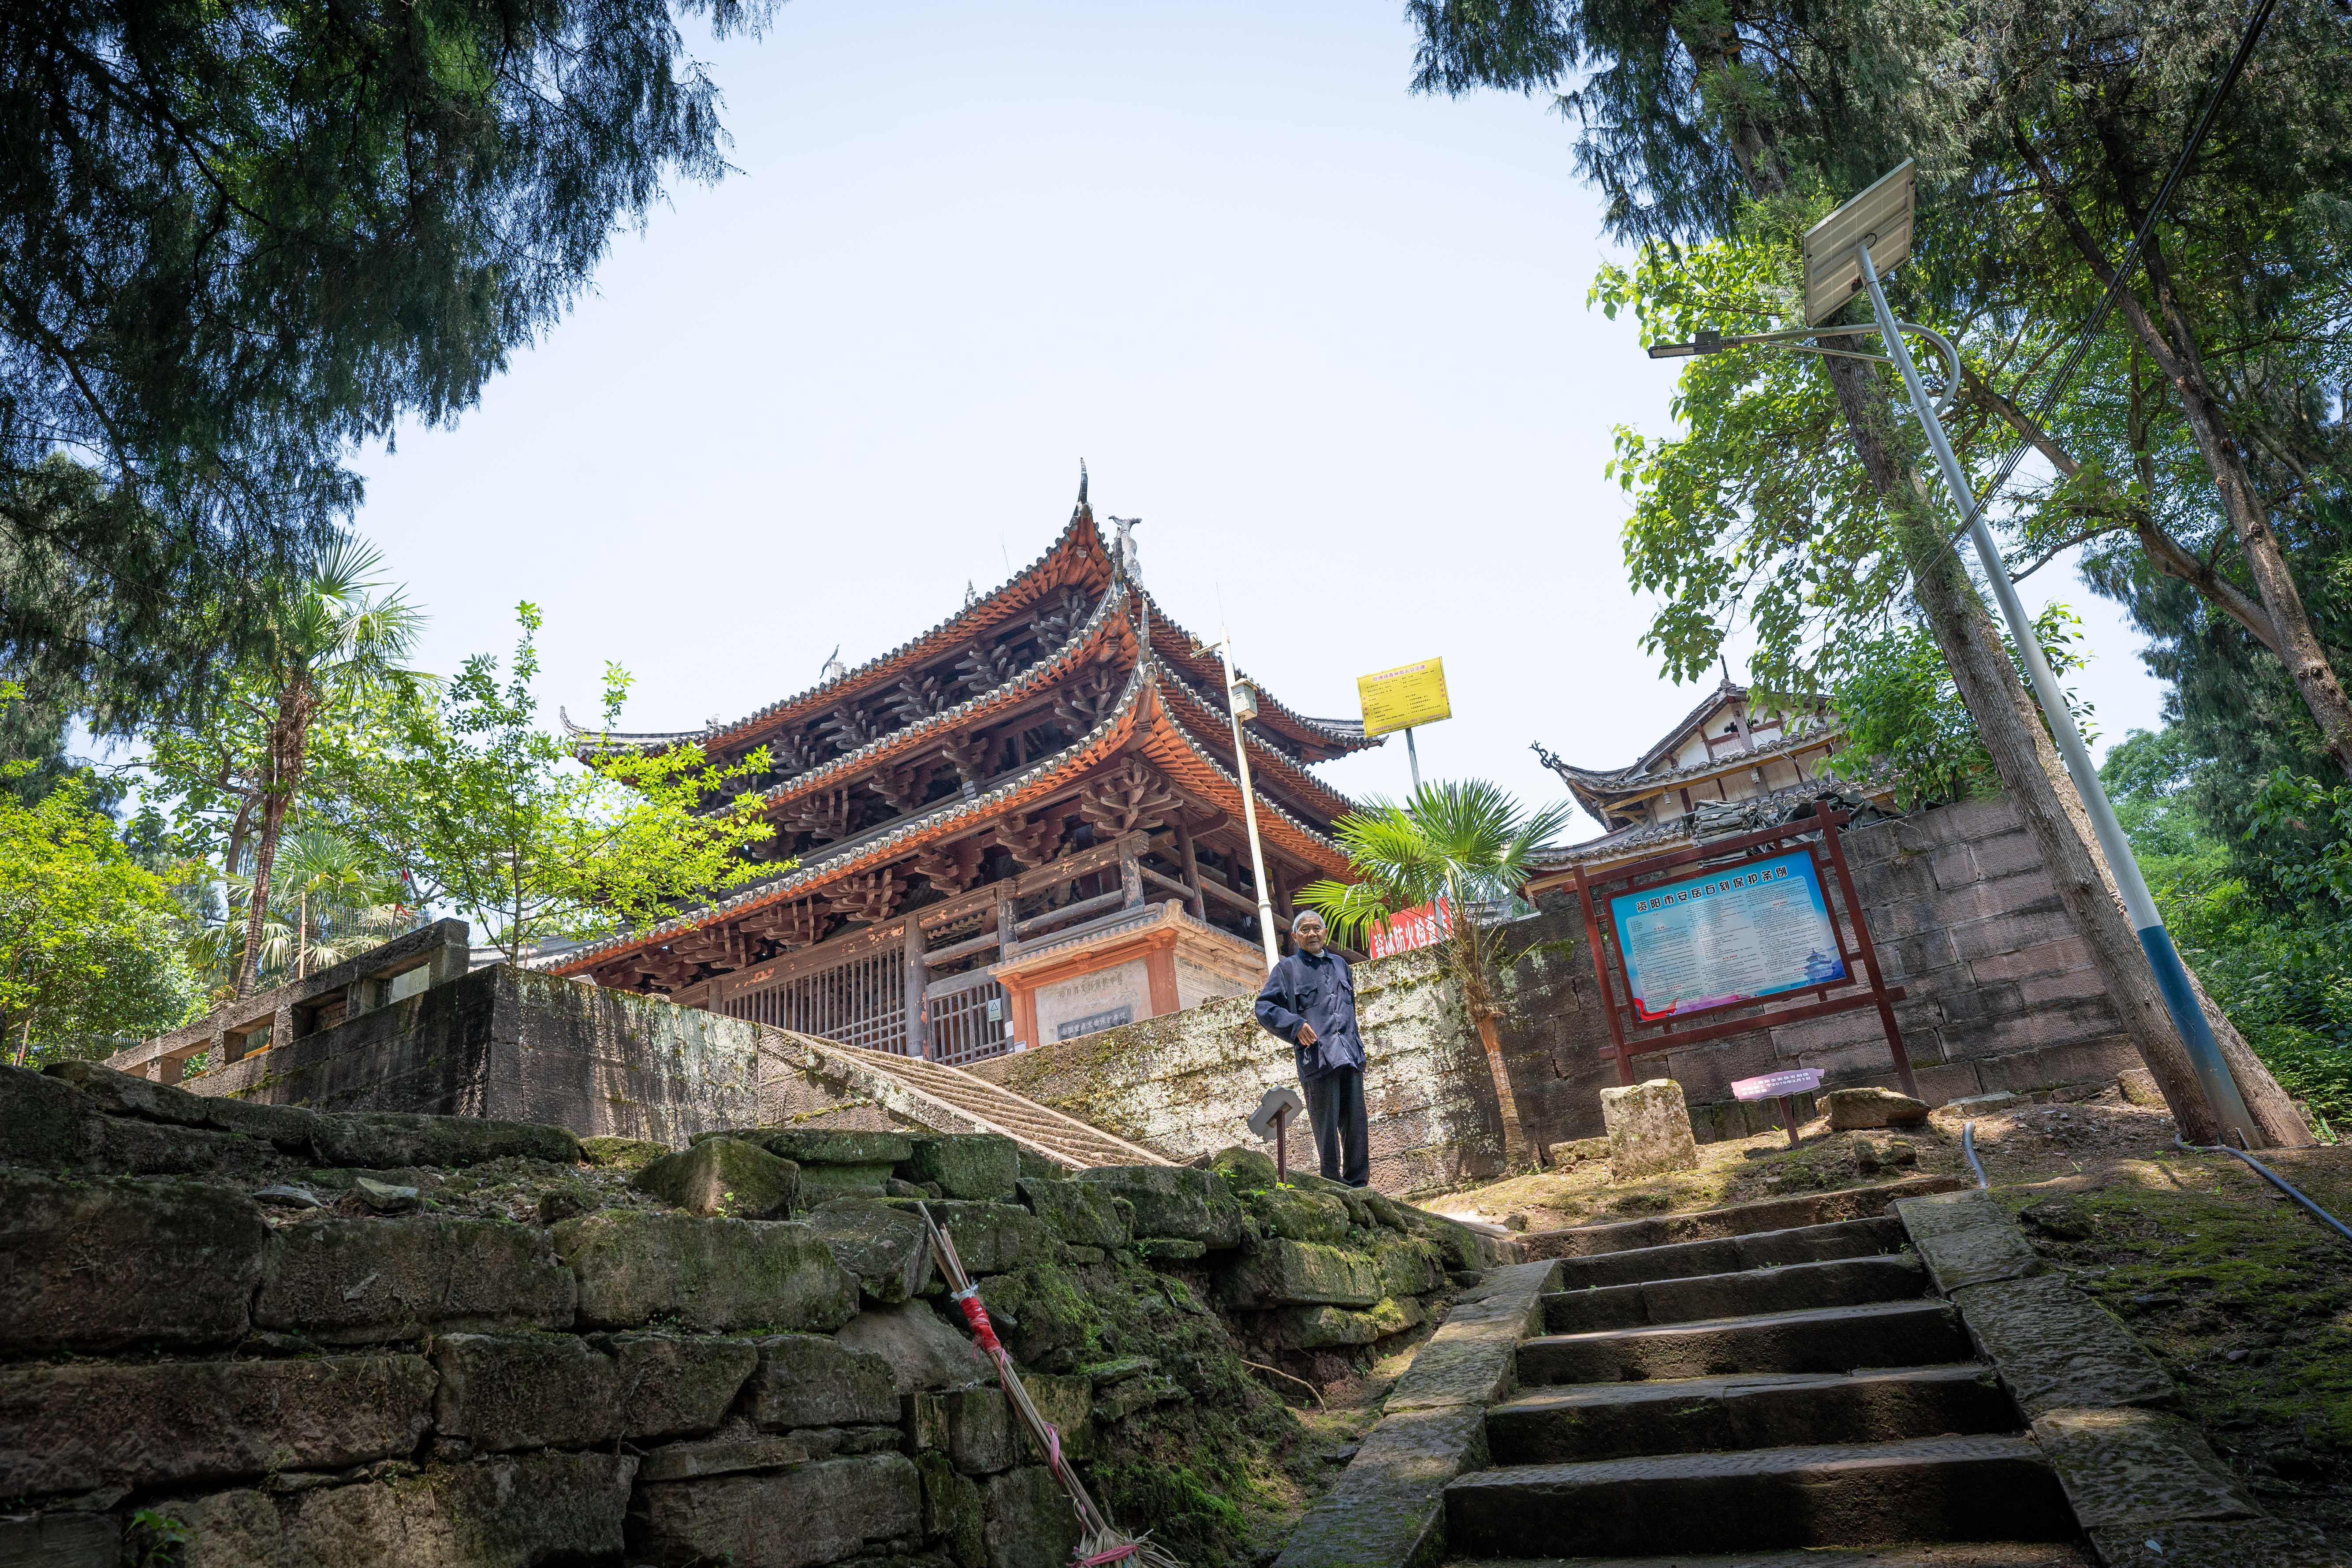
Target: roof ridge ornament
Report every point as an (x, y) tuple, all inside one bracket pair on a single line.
[(1123, 552), (834, 670)]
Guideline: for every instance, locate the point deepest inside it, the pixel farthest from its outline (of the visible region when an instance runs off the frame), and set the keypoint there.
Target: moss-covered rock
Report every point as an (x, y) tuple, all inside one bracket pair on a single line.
[(724, 1176), (1066, 1401), (1173, 1200), (40, 1121), (982, 1166), (1300, 1216), (810, 1380), (381, 1140), (971, 1425), (990, 1238), (1243, 1169), (621, 1153), (1082, 1214), (507, 1392), (1312, 1328), (372, 1281), (883, 1244), (1029, 1522), (1408, 1266), (708, 1276), (97, 1264), (952, 1510), (1041, 1315), (1280, 1273), (813, 1513)]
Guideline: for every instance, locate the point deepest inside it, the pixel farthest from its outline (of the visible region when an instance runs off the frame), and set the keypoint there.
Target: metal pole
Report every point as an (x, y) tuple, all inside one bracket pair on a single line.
[(2163, 958), (1249, 807), (1413, 756)]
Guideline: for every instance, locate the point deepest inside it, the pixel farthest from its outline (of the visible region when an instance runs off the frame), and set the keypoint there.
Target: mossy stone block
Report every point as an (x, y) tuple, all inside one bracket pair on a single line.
[(1408, 1266), (1066, 1401), (1040, 1314), (712, 1276), (99, 1264), (1282, 1273), (884, 1149), (724, 1176), (971, 1425), (1243, 1169), (1080, 1213), (1029, 1522), (1301, 1215), (1312, 1328), (821, 1184), (811, 1380), (41, 1120), (372, 1281), (952, 1510), (883, 1244), (980, 1166), (1174, 1200), (380, 1140), (621, 1153), (990, 1238)]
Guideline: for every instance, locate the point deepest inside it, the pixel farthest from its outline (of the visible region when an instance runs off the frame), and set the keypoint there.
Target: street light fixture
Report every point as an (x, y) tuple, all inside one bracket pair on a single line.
[(1846, 254)]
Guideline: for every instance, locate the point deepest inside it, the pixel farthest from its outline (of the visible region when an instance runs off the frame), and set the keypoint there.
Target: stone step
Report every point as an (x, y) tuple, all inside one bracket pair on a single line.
[(1672, 1415), (1725, 1255), (1840, 1282), (1909, 1555), (1739, 1219), (1829, 1338), (1930, 1488)]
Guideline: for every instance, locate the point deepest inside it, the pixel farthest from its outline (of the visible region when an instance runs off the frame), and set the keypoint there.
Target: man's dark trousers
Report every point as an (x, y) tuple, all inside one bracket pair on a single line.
[(1335, 1105)]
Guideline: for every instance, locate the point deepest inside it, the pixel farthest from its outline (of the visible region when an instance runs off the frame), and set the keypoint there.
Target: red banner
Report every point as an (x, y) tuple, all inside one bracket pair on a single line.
[(1423, 925)]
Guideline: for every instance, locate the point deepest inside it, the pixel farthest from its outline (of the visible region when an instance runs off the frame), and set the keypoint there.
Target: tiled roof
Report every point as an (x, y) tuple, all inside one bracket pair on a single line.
[(1141, 716), (1177, 646)]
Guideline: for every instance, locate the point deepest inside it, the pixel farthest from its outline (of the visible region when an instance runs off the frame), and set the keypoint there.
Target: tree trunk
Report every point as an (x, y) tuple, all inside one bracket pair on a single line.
[(1514, 1141), (2173, 347), (286, 735)]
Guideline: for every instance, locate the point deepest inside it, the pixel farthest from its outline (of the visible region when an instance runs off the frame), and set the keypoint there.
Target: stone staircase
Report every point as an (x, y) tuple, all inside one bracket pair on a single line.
[(1773, 1392), (949, 1100)]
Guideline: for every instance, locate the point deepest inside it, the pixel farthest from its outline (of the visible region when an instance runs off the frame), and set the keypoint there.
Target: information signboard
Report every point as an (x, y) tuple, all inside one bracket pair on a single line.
[(1423, 925), (1732, 935), (1402, 698)]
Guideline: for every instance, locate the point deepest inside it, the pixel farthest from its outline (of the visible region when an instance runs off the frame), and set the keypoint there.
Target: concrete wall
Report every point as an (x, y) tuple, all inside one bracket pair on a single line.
[(1999, 995), (518, 1046)]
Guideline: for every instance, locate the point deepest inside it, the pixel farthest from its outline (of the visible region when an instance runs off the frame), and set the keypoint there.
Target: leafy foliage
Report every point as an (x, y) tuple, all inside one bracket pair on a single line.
[(85, 935), (245, 235), (482, 809), (1468, 843)]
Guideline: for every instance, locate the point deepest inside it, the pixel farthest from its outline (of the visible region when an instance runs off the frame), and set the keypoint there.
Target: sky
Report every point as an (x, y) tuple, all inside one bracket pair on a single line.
[(1329, 340)]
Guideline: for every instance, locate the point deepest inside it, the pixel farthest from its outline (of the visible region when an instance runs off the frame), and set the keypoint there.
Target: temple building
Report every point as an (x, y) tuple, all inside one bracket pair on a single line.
[(1022, 826), (1725, 765)]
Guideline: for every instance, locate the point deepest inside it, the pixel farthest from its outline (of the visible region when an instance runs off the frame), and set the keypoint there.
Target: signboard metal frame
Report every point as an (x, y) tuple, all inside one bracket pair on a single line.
[(1864, 985)]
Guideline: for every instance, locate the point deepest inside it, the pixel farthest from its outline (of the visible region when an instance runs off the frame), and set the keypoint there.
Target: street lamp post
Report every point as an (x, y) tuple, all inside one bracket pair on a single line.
[(1884, 210), (1239, 693), (1844, 254)]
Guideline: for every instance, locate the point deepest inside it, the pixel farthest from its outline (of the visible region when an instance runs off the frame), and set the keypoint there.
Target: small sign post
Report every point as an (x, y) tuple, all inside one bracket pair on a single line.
[(1402, 698), (1783, 1087), (1273, 1114)]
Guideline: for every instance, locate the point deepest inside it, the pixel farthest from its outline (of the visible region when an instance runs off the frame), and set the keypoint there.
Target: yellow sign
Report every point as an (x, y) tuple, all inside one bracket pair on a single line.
[(1402, 698)]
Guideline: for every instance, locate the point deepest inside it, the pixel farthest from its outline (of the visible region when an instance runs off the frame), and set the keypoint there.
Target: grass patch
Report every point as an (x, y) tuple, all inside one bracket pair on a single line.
[(2245, 1299)]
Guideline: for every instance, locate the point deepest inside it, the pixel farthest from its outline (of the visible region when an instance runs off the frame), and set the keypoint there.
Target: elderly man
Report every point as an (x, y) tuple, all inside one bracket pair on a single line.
[(1310, 1000)]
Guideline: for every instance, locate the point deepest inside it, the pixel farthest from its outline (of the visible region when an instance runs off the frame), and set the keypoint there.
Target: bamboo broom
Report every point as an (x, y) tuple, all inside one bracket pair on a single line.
[(1100, 1542)]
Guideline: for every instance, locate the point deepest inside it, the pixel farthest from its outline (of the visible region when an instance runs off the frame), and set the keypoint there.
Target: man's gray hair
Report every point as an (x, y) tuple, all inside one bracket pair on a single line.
[(1303, 916)]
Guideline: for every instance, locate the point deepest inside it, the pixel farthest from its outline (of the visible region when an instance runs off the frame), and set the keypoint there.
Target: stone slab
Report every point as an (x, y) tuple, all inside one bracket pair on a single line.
[(84, 1425), (1175, 1201), (2236, 1543), (1471, 1359), (1738, 1219), (708, 1276), (106, 1263), (2127, 1469), (1388, 1508), (797, 1518), (371, 1281), (1026, 1523), (1836, 1339), (2057, 1350), (1276, 1272), (61, 1540), (812, 1380), (1649, 1129), (502, 1392), (510, 1511)]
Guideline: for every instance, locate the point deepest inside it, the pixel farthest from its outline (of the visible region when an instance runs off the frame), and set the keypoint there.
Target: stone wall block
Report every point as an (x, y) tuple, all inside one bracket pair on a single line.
[(2075, 1062), (724, 1176), (2078, 985), (953, 1511), (508, 1392), (2060, 956), (711, 1276), (2057, 1350), (1649, 1129), (42, 1120), (61, 1540), (797, 1518), (509, 1512), (1174, 1201), (1029, 1521), (107, 1263), (971, 1425), (993, 1239), (2004, 929), (810, 1380), (1982, 1003), (1279, 1273), (370, 1281), (980, 1166), (2058, 1025), (81, 1427), (385, 1140)]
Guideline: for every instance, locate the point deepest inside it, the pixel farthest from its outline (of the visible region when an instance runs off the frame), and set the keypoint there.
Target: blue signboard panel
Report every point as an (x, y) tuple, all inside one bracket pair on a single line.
[(1732, 935)]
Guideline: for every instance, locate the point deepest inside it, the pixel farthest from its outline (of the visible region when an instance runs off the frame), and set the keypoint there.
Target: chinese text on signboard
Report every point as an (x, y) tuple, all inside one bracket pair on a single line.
[(1402, 698), (1423, 925), (1732, 935)]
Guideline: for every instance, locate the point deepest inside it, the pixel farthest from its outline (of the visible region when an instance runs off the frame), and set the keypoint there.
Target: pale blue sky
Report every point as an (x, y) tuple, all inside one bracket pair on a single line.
[(1327, 338)]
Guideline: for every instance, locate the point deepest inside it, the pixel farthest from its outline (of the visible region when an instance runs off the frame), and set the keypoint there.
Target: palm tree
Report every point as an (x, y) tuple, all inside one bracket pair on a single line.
[(1468, 844), (326, 643)]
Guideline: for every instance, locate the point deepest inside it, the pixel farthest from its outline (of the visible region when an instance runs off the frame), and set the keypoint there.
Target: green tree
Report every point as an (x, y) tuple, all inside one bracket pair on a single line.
[(1467, 844), (491, 814), (325, 642), (86, 949), (246, 235)]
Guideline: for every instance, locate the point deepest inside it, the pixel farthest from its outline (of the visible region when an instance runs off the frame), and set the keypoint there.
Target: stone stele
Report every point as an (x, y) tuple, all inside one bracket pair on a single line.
[(1649, 1129)]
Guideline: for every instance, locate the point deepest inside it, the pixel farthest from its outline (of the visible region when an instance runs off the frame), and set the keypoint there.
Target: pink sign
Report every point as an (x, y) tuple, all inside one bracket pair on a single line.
[(1772, 1085), (1423, 925)]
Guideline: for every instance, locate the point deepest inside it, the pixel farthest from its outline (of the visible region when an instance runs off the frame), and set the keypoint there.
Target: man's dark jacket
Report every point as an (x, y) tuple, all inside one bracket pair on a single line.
[(1315, 988)]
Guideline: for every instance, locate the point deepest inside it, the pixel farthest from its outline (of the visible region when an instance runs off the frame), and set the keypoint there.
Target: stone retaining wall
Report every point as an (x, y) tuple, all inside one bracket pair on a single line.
[(509, 1349), (2000, 996)]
